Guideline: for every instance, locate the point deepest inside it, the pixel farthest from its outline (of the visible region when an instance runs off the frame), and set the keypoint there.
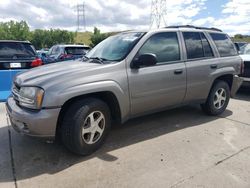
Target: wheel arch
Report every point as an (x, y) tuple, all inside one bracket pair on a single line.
[(106, 96), (228, 78)]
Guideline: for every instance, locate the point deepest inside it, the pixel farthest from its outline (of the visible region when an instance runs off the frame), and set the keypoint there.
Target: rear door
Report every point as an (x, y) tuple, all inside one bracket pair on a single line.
[(200, 63), (156, 87), (14, 58)]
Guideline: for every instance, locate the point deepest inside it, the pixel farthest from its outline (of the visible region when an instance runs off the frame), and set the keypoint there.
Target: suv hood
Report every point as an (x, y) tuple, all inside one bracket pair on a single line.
[(52, 74)]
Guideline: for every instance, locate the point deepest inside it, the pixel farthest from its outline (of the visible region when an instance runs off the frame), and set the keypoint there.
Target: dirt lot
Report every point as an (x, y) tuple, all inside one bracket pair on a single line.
[(175, 148)]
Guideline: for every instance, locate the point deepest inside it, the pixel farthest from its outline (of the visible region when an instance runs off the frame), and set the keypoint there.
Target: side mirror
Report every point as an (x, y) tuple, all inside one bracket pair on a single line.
[(144, 60)]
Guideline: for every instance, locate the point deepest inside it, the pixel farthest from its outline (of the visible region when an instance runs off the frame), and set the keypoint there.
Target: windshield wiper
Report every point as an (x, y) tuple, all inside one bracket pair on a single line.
[(85, 58), (99, 59)]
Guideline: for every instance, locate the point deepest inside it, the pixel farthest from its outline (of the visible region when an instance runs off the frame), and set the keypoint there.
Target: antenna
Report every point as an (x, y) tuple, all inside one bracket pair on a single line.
[(158, 14), (81, 20)]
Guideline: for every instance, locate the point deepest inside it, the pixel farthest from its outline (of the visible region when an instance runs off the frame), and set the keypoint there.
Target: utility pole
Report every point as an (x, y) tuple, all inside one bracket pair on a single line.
[(158, 14), (81, 19)]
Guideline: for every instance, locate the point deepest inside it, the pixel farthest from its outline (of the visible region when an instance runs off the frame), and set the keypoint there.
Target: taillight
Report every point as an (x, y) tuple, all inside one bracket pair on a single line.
[(37, 62)]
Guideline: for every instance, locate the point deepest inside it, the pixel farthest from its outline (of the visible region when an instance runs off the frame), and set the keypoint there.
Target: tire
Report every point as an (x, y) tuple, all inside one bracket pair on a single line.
[(78, 134), (212, 106)]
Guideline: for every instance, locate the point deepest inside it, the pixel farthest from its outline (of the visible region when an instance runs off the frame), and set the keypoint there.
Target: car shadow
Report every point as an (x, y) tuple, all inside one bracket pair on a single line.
[(33, 157)]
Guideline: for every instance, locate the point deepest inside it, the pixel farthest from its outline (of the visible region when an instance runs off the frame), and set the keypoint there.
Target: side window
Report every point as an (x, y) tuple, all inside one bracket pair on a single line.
[(193, 45), (206, 46), (164, 45), (224, 44), (197, 45)]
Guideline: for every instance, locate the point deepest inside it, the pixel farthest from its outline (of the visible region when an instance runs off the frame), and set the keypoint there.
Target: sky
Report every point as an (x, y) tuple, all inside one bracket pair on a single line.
[(232, 16)]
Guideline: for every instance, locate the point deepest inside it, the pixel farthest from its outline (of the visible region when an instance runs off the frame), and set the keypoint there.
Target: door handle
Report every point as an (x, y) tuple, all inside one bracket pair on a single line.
[(178, 71), (213, 66)]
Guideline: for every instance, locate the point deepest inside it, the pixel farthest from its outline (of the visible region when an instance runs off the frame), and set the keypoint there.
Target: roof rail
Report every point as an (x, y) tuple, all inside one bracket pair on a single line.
[(194, 27)]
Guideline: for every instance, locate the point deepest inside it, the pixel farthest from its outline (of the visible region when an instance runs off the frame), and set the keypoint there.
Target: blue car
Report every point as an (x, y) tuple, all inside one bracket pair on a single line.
[(59, 53), (42, 54), (15, 56)]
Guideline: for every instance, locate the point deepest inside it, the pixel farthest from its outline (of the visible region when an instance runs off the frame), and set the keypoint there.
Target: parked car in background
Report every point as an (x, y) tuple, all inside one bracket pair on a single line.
[(15, 56), (127, 75), (245, 55), (238, 45), (42, 54), (59, 53)]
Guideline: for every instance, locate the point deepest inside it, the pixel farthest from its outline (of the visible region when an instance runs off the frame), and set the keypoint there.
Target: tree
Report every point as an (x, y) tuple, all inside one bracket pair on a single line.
[(13, 30), (97, 37), (40, 38)]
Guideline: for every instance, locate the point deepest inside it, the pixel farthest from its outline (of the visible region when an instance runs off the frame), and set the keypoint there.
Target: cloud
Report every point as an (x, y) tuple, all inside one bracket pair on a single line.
[(115, 15), (236, 17), (109, 15)]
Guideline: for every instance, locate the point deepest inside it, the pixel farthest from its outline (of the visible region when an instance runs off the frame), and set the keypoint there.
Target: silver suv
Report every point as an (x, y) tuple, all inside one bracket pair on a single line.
[(127, 75)]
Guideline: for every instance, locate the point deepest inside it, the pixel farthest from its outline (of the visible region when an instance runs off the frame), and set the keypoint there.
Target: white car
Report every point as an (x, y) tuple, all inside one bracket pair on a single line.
[(245, 55)]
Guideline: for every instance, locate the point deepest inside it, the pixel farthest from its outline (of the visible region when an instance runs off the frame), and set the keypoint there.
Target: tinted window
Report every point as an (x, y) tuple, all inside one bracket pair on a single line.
[(16, 49), (224, 45), (193, 45), (206, 46), (164, 45), (74, 50), (197, 45)]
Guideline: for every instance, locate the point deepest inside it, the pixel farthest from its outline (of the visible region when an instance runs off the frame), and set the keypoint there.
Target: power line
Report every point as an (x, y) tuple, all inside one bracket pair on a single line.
[(81, 19), (158, 13)]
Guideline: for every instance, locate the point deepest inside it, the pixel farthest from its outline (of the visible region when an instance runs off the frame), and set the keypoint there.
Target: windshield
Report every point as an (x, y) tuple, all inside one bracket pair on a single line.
[(115, 48), (245, 49), (16, 49)]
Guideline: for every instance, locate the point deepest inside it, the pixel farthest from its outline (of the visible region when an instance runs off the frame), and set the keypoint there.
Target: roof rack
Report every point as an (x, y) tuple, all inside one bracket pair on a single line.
[(194, 27)]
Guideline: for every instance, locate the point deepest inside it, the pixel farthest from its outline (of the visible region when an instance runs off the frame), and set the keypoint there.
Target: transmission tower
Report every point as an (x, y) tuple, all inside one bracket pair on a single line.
[(81, 20), (158, 13)]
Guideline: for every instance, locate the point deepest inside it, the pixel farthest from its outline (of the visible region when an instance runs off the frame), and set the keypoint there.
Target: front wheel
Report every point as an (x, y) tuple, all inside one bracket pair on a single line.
[(85, 126), (218, 99)]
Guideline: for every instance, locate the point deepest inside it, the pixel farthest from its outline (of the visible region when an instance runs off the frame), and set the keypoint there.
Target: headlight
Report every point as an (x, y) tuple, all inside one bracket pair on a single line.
[(31, 97)]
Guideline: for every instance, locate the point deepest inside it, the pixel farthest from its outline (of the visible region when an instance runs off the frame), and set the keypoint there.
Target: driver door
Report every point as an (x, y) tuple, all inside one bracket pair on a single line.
[(163, 85)]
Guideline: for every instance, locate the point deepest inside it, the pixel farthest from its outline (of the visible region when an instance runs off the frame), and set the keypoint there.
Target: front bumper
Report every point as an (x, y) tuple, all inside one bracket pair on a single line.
[(237, 82), (33, 123)]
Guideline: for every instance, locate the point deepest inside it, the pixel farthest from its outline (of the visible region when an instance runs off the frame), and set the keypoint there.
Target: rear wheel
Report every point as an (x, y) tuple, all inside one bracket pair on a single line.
[(85, 126), (218, 99)]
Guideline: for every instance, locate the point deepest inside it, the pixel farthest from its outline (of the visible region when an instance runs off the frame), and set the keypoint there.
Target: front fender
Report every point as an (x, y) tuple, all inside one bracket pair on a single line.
[(62, 96)]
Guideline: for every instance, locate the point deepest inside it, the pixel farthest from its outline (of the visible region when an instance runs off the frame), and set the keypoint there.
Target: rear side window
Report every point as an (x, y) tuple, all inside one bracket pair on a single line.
[(197, 45), (164, 45), (224, 44), (16, 49), (74, 50)]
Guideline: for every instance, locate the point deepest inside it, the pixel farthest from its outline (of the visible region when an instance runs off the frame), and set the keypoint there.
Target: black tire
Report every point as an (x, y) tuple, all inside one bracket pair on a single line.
[(209, 107), (74, 120)]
